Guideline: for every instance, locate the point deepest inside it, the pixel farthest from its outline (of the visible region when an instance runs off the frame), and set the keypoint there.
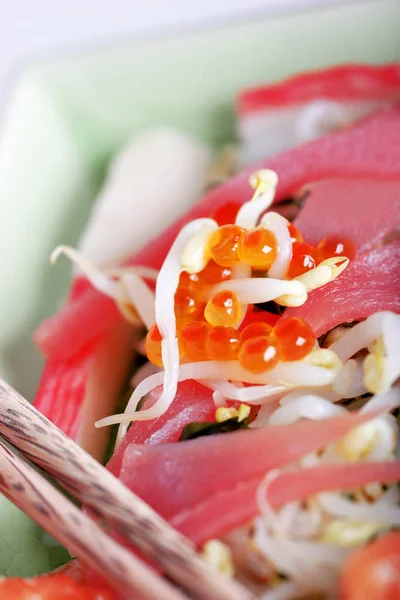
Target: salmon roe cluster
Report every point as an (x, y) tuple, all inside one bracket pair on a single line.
[(212, 326)]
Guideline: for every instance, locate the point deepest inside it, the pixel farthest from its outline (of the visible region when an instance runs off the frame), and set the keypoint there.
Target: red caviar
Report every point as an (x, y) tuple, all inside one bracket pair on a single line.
[(257, 329), (226, 214), (214, 273), (223, 245), (255, 315), (296, 338), (336, 245), (223, 308), (304, 258), (258, 248), (259, 354), (193, 340), (153, 345), (189, 281), (222, 343), (188, 307), (295, 234)]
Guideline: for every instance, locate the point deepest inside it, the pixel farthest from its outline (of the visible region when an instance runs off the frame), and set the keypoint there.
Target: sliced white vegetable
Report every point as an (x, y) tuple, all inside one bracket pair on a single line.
[(151, 182)]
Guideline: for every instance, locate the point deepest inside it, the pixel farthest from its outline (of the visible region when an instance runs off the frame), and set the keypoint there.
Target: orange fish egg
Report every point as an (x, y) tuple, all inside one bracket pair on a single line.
[(336, 246), (193, 340), (222, 343), (188, 281), (213, 273), (259, 354), (304, 258), (226, 214), (296, 338), (223, 245), (188, 307), (223, 308), (256, 329), (295, 234), (153, 345), (258, 248)]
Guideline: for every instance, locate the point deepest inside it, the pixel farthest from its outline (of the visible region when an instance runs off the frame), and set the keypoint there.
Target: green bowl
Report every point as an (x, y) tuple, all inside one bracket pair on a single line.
[(68, 116)]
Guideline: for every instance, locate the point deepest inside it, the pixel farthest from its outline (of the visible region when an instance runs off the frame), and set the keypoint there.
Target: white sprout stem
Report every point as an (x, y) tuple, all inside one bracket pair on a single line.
[(378, 512), (97, 278), (349, 383), (312, 565), (166, 286), (382, 365), (219, 399), (256, 290), (140, 296), (289, 374), (284, 591), (141, 271), (308, 406), (325, 393), (324, 273), (257, 394), (143, 372), (391, 336), (263, 415), (359, 336), (195, 256), (383, 402), (241, 271), (264, 182), (263, 505), (279, 227)]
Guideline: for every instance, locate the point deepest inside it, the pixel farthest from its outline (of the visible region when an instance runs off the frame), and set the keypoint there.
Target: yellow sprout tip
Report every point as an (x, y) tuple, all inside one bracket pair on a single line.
[(263, 179)]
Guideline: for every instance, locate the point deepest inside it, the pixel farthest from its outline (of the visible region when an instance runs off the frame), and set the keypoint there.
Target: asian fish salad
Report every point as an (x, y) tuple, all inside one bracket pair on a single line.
[(241, 369)]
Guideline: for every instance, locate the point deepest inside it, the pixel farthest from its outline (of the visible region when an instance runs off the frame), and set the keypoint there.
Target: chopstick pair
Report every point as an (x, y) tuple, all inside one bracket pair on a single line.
[(36, 438), (31, 492)]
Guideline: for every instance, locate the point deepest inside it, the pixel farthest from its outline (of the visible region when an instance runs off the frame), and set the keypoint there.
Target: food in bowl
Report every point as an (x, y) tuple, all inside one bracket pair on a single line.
[(234, 342)]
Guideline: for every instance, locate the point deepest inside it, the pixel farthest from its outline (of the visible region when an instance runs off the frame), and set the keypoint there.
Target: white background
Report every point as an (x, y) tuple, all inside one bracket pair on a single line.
[(29, 27)]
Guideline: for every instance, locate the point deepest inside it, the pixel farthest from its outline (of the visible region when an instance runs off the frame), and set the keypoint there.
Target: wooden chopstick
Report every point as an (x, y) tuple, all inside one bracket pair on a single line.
[(45, 445), (31, 492)]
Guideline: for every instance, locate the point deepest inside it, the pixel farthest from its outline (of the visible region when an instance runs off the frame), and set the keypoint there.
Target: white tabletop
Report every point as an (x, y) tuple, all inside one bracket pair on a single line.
[(28, 27)]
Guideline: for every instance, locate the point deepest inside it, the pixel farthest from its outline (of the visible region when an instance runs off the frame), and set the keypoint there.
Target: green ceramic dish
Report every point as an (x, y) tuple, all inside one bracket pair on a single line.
[(69, 115)]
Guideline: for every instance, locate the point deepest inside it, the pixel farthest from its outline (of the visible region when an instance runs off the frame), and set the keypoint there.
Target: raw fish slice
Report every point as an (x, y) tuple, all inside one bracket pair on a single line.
[(366, 210), (370, 283), (172, 477)]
